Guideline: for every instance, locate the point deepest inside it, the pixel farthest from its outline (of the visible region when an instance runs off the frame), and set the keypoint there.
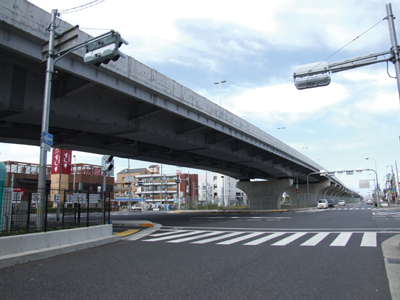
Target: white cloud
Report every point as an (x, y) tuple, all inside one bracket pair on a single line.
[(284, 103)]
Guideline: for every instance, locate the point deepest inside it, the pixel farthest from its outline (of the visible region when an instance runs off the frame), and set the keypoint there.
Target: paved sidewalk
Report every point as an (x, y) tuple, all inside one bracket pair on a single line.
[(391, 256)]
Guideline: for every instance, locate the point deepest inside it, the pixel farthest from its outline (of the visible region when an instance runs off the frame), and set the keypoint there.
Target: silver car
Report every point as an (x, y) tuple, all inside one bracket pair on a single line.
[(322, 203)]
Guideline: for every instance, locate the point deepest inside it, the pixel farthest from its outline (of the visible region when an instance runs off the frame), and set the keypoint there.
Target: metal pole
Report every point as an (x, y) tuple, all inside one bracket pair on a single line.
[(377, 182), (179, 192), (397, 183), (45, 124), (73, 188), (104, 195), (130, 187), (395, 47)]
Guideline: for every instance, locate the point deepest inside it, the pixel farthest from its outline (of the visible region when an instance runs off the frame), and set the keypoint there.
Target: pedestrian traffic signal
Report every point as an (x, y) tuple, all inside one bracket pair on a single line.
[(103, 50), (107, 164)]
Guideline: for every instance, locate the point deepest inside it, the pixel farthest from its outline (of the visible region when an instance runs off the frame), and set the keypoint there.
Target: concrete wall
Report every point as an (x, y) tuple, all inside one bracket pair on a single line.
[(36, 241)]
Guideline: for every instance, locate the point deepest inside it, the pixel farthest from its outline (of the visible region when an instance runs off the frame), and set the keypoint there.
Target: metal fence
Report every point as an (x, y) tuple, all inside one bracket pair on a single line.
[(19, 212)]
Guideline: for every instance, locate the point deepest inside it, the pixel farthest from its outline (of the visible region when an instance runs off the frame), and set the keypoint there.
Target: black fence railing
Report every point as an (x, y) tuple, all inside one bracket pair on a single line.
[(21, 213)]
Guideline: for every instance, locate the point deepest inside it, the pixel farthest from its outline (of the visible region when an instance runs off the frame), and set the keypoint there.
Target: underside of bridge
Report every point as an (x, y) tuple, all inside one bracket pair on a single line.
[(90, 117), (268, 194), (129, 110)]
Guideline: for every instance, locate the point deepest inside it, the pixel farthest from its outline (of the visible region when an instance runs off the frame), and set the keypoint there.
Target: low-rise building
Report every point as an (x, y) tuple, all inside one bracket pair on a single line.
[(215, 188)]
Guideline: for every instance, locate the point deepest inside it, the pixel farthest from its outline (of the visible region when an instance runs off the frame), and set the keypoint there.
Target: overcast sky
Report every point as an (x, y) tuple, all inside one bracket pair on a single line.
[(255, 45)]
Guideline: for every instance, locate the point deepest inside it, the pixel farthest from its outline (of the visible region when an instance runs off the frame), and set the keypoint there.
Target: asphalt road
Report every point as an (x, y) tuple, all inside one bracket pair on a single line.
[(310, 254)]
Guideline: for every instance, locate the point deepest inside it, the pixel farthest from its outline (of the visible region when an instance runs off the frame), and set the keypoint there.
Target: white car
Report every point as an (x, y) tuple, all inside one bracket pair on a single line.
[(342, 202), (322, 203), (136, 208)]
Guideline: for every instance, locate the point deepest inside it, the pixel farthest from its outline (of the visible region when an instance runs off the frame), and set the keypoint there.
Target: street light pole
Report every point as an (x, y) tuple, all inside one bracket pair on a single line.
[(219, 83), (377, 183)]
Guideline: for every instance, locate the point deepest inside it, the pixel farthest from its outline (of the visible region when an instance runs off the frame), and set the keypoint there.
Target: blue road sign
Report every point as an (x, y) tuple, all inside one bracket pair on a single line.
[(47, 138)]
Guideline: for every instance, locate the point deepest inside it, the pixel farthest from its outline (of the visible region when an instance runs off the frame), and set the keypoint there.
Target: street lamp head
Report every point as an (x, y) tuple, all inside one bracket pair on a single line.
[(367, 158)]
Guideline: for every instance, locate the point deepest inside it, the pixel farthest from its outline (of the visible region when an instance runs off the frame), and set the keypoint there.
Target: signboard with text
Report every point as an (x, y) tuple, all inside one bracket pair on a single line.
[(61, 160)]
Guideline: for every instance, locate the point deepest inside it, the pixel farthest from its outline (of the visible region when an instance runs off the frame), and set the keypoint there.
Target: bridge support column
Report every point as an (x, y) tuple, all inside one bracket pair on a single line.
[(304, 199), (265, 194)]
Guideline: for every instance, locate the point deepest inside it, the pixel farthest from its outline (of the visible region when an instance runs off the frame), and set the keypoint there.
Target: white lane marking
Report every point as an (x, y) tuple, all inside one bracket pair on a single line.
[(191, 238), (289, 239), (315, 239), (241, 238), (174, 236), (168, 233), (264, 239), (341, 240), (369, 239), (221, 237)]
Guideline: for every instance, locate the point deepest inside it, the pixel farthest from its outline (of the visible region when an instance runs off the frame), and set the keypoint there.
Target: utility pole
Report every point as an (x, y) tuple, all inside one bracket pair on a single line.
[(45, 125), (395, 47)]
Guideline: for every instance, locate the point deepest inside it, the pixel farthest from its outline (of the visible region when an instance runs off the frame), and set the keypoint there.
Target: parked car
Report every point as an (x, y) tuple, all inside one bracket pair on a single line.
[(331, 203), (322, 203), (342, 202)]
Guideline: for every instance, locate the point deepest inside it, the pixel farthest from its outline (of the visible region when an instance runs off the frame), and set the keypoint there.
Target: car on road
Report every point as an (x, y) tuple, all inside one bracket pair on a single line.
[(322, 203), (369, 201), (331, 203), (136, 208), (342, 202)]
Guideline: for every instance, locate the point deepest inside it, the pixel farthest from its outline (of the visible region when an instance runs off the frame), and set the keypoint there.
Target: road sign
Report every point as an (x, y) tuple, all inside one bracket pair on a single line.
[(56, 198), (35, 198), (128, 178), (47, 138)]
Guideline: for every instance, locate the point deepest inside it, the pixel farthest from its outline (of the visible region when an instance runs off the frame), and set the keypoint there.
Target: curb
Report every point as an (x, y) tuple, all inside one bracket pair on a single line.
[(132, 223), (27, 256), (228, 211)]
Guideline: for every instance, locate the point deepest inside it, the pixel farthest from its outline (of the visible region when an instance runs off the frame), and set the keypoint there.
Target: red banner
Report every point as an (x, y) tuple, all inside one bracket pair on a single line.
[(61, 159)]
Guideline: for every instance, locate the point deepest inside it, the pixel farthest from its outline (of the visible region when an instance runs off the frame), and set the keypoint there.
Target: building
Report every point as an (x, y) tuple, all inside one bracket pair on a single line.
[(23, 177), (124, 186), (219, 189), (62, 175), (158, 189)]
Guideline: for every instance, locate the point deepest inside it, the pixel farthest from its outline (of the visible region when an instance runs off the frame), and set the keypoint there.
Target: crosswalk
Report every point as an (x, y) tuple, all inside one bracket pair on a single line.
[(335, 208), (246, 238)]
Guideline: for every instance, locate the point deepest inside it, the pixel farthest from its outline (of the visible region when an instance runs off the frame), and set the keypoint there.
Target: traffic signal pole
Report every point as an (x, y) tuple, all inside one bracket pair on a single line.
[(94, 44), (318, 74)]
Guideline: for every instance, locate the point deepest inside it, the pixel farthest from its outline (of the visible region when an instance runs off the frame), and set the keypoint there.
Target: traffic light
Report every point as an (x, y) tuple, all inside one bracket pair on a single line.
[(103, 50), (178, 180), (312, 75), (107, 164), (312, 81)]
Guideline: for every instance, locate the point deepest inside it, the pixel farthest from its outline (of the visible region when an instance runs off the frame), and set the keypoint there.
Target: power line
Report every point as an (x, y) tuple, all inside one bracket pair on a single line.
[(81, 7), (350, 42)]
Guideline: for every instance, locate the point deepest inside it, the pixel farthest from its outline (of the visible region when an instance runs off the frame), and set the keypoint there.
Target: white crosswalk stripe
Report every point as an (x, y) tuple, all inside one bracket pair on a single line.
[(340, 239), (315, 239), (289, 239)]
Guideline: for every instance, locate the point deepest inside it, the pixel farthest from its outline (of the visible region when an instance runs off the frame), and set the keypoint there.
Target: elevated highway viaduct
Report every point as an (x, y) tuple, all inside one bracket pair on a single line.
[(132, 111)]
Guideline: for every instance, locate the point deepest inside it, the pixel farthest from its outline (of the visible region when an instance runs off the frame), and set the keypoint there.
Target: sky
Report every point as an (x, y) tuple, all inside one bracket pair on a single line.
[(255, 46)]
